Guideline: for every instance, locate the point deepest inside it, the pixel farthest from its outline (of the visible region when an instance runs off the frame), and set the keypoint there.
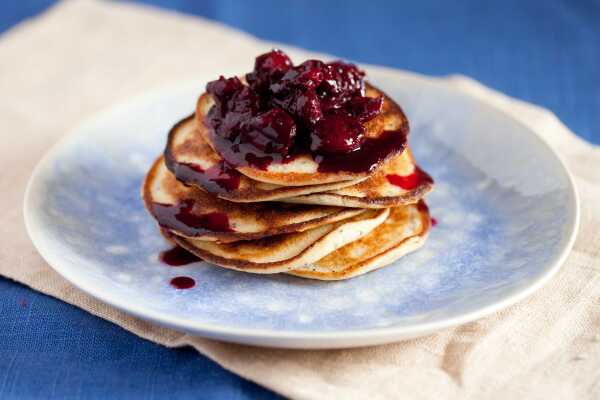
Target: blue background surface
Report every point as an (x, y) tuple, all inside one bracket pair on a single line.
[(547, 53)]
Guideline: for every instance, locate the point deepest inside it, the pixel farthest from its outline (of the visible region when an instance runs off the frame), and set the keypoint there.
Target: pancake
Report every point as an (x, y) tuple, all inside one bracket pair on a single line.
[(398, 182), (285, 252), (191, 212), (303, 169), (404, 231), (194, 162)]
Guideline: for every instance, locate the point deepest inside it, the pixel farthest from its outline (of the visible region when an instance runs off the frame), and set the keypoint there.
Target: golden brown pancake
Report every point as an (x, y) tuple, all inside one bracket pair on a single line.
[(329, 216), (303, 169), (398, 182), (285, 252), (172, 203), (187, 154), (404, 231)]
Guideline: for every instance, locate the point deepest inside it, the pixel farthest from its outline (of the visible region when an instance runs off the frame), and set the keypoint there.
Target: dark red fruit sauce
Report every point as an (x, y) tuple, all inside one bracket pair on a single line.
[(285, 110), (220, 178), (412, 181), (422, 206), (182, 217), (183, 282), (177, 256)]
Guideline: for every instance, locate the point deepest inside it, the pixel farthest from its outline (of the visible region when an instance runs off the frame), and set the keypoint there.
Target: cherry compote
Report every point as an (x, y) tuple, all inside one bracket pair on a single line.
[(314, 108)]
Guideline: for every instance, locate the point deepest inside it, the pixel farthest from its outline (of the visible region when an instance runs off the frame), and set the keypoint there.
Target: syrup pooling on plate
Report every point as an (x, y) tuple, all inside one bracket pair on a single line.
[(177, 256), (315, 108), (181, 217), (183, 282)]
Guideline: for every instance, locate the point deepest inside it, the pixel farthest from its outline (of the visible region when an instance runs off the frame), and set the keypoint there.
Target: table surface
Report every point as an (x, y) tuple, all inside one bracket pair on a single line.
[(547, 53)]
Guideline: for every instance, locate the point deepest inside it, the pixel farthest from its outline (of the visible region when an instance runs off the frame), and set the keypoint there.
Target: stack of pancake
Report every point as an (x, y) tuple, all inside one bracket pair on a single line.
[(291, 217)]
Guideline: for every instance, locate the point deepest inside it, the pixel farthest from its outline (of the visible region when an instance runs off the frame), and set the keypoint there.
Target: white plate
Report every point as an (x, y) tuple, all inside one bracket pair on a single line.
[(506, 208)]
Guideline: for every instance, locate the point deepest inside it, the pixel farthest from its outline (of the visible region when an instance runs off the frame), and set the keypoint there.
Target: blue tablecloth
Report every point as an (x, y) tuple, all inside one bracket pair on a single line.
[(547, 53)]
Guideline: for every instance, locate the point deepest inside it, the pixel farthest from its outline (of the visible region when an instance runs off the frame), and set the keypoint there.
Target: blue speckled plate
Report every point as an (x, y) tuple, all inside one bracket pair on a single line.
[(506, 208)]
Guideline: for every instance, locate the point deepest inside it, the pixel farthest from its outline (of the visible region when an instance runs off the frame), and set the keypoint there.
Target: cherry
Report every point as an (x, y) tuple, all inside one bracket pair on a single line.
[(337, 134), (313, 64), (275, 60), (348, 77), (365, 108), (272, 131), (305, 77), (340, 82), (223, 89), (268, 68), (307, 107)]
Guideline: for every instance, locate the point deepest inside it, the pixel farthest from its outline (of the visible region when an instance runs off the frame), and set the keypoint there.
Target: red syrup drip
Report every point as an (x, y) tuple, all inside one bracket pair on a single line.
[(422, 206), (181, 218), (183, 282), (412, 181), (219, 178), (178, 256)]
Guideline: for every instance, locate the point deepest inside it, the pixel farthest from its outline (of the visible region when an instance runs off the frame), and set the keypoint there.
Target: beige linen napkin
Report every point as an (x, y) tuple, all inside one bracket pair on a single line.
[(82, 56)]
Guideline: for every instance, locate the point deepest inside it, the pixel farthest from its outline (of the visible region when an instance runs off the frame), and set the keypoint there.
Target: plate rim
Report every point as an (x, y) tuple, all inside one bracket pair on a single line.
[(294, 338)]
